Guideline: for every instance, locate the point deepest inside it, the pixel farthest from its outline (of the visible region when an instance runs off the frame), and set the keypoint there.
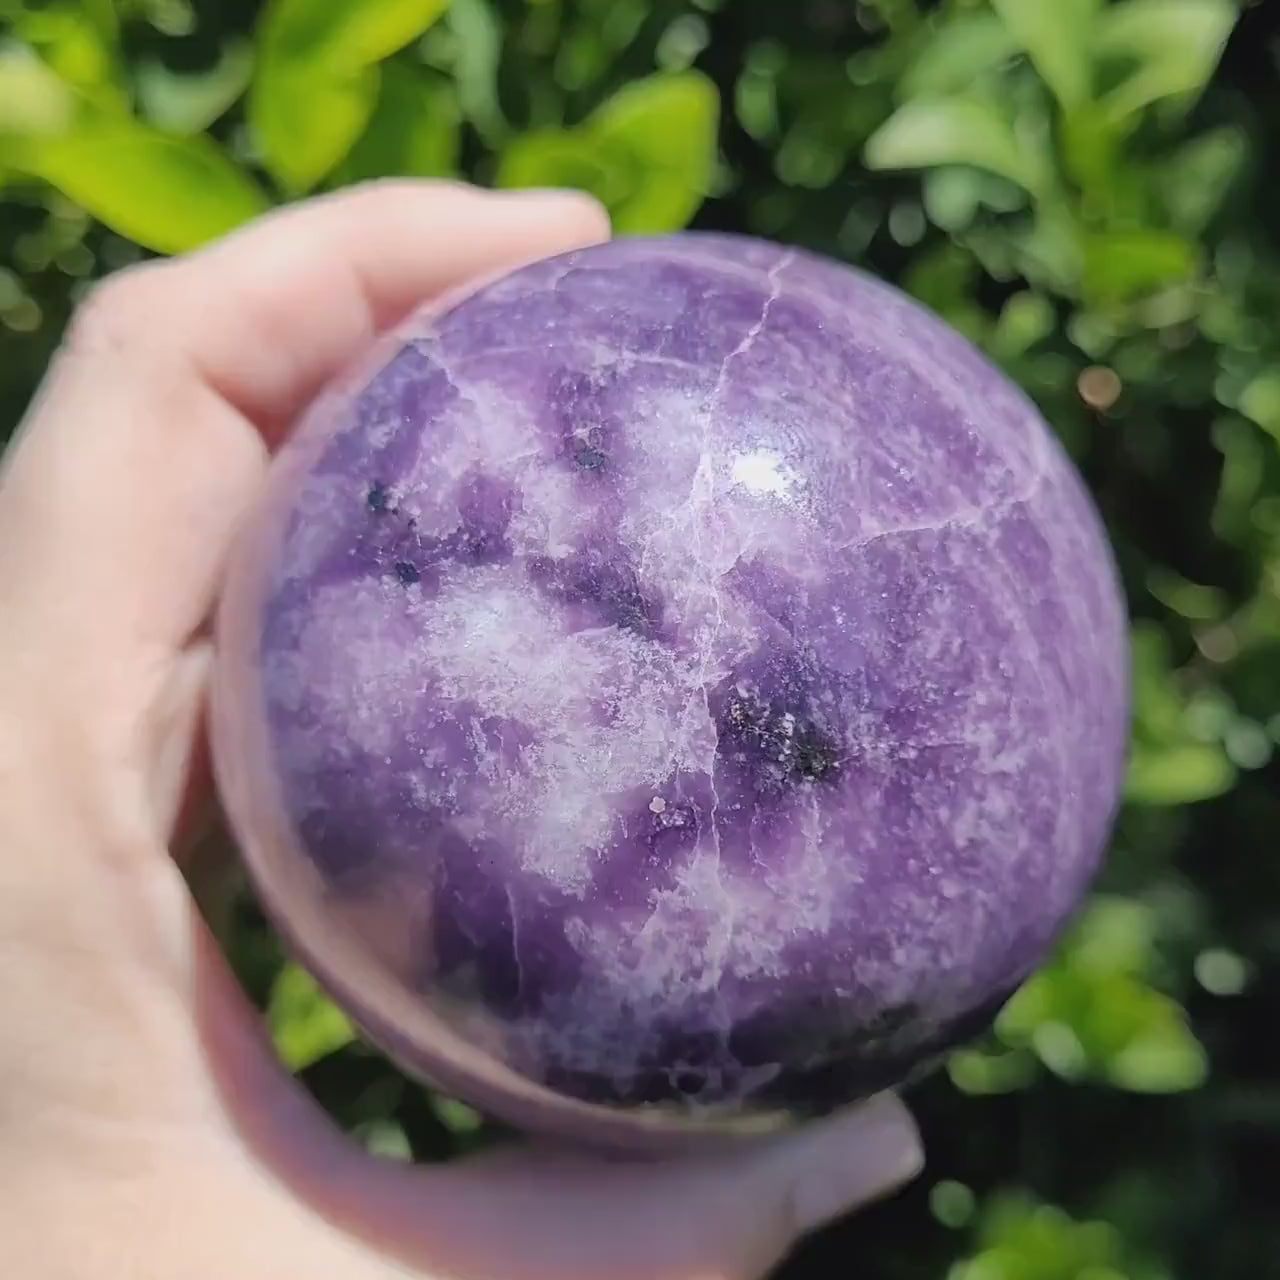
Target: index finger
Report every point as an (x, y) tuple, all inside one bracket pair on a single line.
[(151, 434)]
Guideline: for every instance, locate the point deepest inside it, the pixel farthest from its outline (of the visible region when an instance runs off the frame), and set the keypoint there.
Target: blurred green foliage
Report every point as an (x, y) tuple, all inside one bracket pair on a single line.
[(1081, 186)]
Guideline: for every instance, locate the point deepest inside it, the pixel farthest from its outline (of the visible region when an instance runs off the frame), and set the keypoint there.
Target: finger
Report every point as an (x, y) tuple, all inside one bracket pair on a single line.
[(147, 441), (125, 484), (729, 1213), (729, 1216)]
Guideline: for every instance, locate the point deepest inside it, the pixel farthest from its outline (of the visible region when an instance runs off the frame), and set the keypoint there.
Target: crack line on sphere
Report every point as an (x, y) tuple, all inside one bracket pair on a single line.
[(704, 474), (713, 816), (1017, 618), (567, 268), (704, 469), (515, 941), (774, 276), (889, 338), (965, 518)]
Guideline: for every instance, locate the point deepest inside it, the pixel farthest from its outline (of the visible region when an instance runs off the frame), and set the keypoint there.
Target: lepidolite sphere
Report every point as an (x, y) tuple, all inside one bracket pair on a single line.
[(680, 678)]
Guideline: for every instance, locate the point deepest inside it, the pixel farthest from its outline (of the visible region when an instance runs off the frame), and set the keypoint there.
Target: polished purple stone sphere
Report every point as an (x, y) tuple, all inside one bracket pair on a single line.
[(680, 679)]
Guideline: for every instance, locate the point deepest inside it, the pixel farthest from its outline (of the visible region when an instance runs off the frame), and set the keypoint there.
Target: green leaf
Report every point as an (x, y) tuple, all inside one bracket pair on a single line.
[(943, 131), (1174, 44), (1091, 149), (1260, 401), (81, 50), (1026, 318), (1244, 465), (756, 102), (1198, 603), (33, 99), (345, 35), (943, 279), (456, 1116), (1195, 179), (190, 103), (414, 131), (166, 193), (305, 1025), (1022, 1238), (477, 36), (305, 121), (106, 21), (958, 52), (1115, 935), (1157, 702), (1055, 35), (952, 197), (1050, 248), (565, 158), (1092, 1014), (316, 85), (1164, 1055), (1183, 773), (977, 1073), (384, 1138), (649, 153), (668, 125), (1120, 265)]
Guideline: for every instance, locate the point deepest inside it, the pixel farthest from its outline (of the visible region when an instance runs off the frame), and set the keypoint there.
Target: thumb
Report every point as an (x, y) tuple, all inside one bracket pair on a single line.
[(536, 1214)]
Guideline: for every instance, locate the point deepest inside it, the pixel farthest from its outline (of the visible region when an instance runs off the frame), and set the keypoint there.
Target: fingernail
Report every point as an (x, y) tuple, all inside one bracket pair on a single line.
[(853, 1159)]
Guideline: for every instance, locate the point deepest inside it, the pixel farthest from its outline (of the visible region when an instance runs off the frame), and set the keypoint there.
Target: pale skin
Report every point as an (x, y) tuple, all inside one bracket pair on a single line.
[(146, 1130)]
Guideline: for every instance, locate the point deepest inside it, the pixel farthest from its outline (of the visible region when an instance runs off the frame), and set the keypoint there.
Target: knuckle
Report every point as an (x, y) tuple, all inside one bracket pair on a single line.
[(116, 311)]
